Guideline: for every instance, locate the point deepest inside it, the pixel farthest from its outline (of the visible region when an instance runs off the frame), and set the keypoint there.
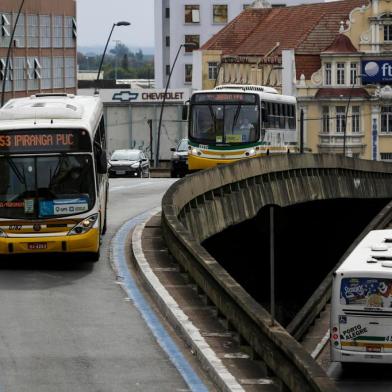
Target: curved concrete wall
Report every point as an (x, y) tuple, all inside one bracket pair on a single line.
[(210, 201), (205, 203)]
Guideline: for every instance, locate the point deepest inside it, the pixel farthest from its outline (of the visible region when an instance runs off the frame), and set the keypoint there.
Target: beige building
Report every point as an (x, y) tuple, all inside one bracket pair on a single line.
[(336, 58)]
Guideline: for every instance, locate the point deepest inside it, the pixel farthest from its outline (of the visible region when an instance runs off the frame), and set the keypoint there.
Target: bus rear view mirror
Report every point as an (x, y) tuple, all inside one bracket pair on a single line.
[(102, 164)]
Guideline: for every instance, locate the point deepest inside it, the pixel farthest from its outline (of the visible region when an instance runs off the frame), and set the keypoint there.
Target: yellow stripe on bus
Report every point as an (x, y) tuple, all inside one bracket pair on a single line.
[(366, 344)]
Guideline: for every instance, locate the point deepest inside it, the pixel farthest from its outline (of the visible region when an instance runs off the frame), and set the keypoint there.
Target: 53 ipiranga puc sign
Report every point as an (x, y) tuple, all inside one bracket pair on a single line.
[(379, 71)]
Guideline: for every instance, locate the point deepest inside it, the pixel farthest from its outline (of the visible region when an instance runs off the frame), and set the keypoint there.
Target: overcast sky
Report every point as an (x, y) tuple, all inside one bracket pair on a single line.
[(96, 17)]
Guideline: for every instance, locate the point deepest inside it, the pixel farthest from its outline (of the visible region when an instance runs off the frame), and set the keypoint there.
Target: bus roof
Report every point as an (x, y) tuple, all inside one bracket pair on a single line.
[(51, 111), (375, 247), (265, 93)]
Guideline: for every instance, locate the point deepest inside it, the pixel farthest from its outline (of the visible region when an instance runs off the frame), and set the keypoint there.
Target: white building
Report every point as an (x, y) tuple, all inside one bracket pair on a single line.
[(183, 21)]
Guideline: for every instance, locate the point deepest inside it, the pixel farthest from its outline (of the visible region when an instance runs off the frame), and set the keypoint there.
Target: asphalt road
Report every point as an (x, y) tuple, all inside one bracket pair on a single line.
[(66, 327)]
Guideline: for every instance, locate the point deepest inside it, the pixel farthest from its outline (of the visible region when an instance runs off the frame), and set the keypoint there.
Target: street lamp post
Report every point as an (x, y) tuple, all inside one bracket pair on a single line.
[(186, 45), (123, 23), (346, 114), (7, 61)]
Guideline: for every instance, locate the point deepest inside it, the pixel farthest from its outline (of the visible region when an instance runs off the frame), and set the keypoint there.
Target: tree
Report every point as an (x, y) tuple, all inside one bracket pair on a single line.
[(125, 62)]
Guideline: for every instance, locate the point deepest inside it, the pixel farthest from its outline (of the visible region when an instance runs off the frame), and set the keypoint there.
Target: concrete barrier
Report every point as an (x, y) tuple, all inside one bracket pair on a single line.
[(208, 202)]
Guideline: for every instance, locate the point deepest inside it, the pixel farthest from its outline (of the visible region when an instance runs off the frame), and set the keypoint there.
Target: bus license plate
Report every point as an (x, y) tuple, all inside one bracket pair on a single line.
[(37, 245), (374, 348)]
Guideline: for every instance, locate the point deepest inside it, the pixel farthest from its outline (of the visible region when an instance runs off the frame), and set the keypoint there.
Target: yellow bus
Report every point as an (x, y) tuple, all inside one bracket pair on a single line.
[(53, 175)]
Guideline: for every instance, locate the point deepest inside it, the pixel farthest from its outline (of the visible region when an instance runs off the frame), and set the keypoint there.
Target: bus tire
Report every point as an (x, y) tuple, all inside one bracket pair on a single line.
[(94, 256)]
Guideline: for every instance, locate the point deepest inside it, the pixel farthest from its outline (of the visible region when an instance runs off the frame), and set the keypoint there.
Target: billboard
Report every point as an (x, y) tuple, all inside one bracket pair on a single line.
[(374, 72)]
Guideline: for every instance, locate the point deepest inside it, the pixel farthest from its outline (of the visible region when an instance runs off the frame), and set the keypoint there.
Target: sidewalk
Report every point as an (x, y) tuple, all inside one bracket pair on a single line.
[(193, 317)]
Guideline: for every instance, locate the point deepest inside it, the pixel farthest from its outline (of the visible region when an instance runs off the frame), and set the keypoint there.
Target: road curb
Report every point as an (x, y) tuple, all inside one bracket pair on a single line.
[(178, 319)]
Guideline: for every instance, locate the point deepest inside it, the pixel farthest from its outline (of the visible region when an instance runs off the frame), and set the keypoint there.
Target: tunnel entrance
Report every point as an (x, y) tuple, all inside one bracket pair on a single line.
[(310, 238)]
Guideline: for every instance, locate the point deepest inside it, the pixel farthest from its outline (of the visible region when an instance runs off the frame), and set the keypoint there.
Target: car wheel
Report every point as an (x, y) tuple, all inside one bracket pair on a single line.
[(173, 174)]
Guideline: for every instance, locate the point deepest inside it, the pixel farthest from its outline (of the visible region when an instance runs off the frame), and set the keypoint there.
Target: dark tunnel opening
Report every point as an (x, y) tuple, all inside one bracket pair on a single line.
[(310, 238)]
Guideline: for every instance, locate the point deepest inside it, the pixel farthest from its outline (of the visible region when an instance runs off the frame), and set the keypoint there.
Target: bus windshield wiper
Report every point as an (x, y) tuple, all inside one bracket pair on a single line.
[(20, 175), (237, 113)]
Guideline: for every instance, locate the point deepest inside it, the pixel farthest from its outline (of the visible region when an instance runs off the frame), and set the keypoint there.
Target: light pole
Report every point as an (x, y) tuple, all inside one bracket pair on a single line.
[(7, 61), (346, 114), (123, 23), (186, 45)]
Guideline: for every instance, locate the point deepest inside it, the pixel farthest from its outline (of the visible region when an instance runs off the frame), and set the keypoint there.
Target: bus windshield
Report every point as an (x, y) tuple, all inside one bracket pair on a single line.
[(34, 187), (228, 123), (366, 292)]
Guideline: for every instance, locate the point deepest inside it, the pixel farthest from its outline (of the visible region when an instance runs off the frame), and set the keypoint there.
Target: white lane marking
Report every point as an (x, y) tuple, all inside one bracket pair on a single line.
[(137, 185)]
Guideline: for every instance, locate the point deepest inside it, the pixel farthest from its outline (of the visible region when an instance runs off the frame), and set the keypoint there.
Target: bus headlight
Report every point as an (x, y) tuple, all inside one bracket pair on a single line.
[(2, 234), (194, 151), (252, 152), (84, 226)]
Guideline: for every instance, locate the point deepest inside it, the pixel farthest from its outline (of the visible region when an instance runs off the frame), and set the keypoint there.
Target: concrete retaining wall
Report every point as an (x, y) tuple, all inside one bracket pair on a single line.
[(207, 202)]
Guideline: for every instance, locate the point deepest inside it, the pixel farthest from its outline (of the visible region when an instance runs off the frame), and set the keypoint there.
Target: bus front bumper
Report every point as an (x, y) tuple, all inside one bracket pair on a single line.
[(81, 243), (198, 163)]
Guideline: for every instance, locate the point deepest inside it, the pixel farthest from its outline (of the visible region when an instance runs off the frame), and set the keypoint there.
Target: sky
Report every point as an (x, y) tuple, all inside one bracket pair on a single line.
[(95, 19)]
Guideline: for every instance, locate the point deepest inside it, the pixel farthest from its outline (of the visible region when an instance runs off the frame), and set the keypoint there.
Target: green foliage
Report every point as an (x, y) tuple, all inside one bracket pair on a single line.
[(129, 65)]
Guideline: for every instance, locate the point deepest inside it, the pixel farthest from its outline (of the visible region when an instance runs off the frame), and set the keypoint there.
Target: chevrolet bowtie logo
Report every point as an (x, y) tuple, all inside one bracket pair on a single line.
[(125, 96)]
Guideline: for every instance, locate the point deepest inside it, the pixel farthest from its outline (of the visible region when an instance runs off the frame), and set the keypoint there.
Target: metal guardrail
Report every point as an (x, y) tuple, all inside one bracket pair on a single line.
[(203, 199)]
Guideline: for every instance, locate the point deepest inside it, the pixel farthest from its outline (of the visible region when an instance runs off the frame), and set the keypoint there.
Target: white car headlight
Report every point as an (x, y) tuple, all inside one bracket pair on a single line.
[(135, 165), (85, 225), (2, 234)]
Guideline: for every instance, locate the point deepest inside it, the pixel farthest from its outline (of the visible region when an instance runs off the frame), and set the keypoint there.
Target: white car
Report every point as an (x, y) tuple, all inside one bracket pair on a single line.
[(132, 163)]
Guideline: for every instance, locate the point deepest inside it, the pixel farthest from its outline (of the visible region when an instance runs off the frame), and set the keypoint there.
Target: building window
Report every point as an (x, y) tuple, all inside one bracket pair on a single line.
[(20, 36), (69, 72), (387, 32), (32, 31), (386, 119), (167, 13), (58, 32), (58, 72), (45, 31), (328, 74), (46, 73), (353, 73), (219, 13), (33, 73), (194, 39), (212, 70), (192, 14), (168, 41), (167, 69), (188, 73), (69, 32), (340, 73), (386, 156), (20, 74), (355, 116), (325, 119), (340, 118), (5, 33)]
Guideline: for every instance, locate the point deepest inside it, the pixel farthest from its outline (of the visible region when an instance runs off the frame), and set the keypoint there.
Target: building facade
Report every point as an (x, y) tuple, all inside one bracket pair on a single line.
[(334, 57), (184, 21), (43, 50)]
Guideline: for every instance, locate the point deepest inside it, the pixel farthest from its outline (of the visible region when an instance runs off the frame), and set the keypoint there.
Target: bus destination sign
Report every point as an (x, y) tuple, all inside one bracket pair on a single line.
[(225, 97), (33, 141)]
